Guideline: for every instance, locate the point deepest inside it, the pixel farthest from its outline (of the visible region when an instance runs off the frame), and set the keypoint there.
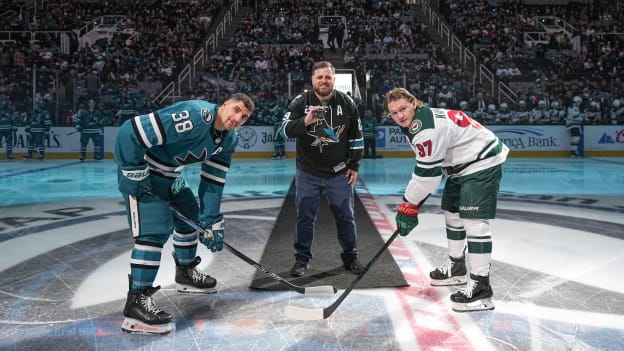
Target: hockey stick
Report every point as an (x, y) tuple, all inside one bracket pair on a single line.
[(73, 132), (302, 313), (300, 289)]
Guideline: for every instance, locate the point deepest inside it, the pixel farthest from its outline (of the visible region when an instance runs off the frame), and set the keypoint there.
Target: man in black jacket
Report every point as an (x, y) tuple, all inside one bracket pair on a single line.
[(328, 130)]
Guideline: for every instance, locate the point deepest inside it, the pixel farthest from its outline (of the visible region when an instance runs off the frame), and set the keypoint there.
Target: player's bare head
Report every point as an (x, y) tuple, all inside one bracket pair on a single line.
[(401, 106), (323, 78), (245, 99), (234, 112), (398, 94)]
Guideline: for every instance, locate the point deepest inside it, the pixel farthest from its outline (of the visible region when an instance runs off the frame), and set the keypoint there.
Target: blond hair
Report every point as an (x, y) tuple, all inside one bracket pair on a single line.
[(401, 93)]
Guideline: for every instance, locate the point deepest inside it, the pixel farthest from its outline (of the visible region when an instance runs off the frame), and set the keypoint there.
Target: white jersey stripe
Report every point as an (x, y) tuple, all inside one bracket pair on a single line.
[(213, 177), (157, 131), (216, 165), (142, 135)]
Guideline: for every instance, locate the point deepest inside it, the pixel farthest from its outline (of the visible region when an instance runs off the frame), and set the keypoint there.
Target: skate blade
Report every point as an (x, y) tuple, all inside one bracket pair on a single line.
[(131, 325), (478, 305), (193, 289), (448, 282)]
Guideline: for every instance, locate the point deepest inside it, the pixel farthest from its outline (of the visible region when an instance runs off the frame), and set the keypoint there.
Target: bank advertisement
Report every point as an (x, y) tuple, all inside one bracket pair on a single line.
[(389, 138)]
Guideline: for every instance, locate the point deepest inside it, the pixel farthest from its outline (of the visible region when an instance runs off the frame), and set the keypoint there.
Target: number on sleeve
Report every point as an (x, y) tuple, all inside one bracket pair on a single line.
[(183, 124)]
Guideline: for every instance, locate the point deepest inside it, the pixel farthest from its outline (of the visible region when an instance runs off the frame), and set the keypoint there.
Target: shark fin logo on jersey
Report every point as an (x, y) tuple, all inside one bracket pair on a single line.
[(192, 158), (206, 116), (416, 126)]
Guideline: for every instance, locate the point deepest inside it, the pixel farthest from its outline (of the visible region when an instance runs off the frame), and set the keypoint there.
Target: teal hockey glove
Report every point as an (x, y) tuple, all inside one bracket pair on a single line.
[(213, 237), (406, 218), (133, 180)]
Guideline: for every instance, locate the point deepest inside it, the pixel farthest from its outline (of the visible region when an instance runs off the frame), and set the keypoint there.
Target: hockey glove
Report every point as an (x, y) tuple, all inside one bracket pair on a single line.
[(214, 243), (133, 180), (406, 218)]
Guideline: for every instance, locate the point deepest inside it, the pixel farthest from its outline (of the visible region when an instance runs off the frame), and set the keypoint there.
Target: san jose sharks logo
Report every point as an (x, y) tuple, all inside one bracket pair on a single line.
[(192, 158), (325, 134)]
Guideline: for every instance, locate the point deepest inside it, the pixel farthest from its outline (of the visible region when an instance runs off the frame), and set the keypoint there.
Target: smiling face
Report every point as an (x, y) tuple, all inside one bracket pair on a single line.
[(231, 115), (323, 80)]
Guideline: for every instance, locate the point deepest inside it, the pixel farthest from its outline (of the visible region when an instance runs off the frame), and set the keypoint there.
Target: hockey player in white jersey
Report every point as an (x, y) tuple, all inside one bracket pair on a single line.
[(504, 114), (616, 115), (151, 150), (449, 142), (593, 114), (556, 113), (538, 114), (521, 115), (574, 123)]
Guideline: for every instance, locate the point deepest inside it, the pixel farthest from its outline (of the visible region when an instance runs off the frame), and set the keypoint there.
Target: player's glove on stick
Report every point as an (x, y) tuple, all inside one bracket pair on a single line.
[(406, 218), (214, 243), (133, 180)]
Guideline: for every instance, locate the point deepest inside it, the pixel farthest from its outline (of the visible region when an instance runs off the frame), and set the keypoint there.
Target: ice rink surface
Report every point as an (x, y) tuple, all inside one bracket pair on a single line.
[(558, 250)]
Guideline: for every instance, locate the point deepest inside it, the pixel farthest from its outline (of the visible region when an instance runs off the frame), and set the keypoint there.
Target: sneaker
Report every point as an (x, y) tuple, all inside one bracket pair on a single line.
[(351, 264), (298, 269), (189, 279), (451, 272), (477, 296), (142, 315)]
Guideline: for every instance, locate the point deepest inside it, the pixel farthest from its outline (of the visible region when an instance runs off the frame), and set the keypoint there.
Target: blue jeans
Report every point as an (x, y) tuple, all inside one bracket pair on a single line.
[(308, 196)]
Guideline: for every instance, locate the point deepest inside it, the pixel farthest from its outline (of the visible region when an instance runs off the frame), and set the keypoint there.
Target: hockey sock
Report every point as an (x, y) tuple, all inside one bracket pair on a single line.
[(144, 263), (185, 247)]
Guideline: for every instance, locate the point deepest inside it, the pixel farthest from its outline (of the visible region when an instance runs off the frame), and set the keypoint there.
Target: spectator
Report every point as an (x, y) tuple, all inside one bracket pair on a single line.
[(327, 127)]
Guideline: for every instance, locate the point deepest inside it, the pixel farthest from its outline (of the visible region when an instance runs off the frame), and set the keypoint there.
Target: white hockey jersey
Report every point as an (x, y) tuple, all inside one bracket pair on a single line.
[(448, 141)]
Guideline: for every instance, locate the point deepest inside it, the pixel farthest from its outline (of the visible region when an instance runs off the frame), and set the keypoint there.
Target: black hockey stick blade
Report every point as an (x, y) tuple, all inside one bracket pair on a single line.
[(302, 313), (325, 289)]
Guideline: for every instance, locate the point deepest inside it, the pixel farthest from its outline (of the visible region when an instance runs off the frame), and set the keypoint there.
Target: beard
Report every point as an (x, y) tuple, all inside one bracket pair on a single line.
[(323, 94)]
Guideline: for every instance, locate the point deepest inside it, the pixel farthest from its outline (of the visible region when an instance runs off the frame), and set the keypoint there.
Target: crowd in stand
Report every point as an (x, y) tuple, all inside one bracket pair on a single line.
[(113, 71), (270, 54)]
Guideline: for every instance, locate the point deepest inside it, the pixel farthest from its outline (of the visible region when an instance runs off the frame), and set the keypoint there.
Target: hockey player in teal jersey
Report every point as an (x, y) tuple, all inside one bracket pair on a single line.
[(8, 126), (37, 129), (89, 123), (150, 151), (448, 141)]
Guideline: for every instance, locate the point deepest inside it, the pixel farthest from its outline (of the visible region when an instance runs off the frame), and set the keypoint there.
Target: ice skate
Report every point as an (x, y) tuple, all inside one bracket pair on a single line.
[(189, 279), (451, 272), (477, 296), (142, 315)]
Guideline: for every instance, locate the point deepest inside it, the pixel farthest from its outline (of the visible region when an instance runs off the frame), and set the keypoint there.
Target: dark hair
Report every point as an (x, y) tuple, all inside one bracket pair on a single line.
[(246, 100), (323, 64)]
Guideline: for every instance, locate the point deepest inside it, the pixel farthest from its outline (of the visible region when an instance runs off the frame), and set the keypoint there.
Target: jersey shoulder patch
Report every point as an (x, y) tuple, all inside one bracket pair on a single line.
[(423, 119)]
